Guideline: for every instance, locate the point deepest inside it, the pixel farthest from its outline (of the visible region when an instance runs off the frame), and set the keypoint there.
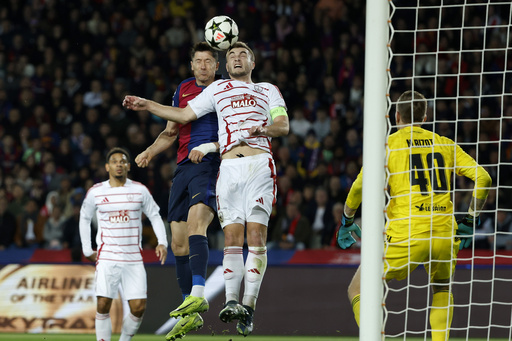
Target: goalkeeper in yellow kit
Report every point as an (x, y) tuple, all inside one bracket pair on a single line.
[(420, 227)]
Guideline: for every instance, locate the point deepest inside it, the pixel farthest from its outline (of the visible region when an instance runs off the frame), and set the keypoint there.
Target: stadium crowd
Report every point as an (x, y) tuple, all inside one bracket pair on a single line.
[(65, 67)]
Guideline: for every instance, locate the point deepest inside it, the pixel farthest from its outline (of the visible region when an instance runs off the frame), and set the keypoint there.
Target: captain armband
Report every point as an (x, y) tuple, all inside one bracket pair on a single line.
[(206, 148), (279, 111)]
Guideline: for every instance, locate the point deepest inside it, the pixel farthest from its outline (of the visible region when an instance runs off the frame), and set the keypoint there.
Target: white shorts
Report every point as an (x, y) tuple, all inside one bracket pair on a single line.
[(246, 190), (132, 278)]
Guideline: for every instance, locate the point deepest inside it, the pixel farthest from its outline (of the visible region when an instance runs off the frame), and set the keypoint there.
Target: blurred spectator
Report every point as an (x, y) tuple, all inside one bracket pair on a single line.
[(10, 153), (50, 176), (19, 199), (501, 224), (320, 216), (65, 157), (353, 146), (8, 225), (309, 156), (92, 98), (31, 225), (71, 234), (23, 178), (292, 230), (322, 124), (65, 191), (54, 229), (63, 122), (336, 193), (484, 234), (299, 125), (349, 176)]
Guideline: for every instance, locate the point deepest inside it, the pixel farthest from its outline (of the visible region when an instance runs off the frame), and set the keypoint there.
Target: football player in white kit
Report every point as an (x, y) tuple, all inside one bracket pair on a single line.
[(118, 204), (249, 115)]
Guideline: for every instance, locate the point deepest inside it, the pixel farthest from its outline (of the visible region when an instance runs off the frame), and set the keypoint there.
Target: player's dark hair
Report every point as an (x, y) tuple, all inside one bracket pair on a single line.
[(203, 46), (412, 107), (116, 150), (242, 45)]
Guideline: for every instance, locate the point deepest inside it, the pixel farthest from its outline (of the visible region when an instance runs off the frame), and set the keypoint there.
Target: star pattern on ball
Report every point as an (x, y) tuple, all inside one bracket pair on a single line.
[(214, 44), (230, 36)]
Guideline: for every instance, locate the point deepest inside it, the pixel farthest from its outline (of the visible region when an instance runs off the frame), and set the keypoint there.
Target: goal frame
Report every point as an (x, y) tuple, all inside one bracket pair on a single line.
[(376, 107)]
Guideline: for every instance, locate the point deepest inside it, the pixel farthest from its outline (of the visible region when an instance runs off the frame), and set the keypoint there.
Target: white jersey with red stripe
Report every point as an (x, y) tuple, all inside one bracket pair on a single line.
[(239, 106), (119, 212)]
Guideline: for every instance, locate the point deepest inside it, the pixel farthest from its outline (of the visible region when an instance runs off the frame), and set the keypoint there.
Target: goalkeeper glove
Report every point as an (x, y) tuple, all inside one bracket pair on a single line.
[(465, 230), (344, 233)]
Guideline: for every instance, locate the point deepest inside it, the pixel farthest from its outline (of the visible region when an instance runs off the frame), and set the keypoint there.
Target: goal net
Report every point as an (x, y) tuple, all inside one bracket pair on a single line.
[(458, 53)]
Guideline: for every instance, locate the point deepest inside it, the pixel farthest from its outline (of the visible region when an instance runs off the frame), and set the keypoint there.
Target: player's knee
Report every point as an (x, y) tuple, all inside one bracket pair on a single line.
[(197, 229), (103, 305), (233, 239), (138, 310), (352, 291), (179, 248)]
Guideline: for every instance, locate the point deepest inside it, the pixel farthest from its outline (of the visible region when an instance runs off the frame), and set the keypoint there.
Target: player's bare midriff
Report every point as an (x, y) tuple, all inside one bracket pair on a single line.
[(242, 150)]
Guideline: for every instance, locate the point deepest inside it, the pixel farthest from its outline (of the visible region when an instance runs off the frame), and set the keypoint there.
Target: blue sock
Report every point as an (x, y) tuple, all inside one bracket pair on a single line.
[(183, 275), (198, 258)]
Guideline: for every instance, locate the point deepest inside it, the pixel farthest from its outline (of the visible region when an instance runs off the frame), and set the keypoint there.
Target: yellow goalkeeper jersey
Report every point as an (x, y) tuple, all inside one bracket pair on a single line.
[(420, 165)]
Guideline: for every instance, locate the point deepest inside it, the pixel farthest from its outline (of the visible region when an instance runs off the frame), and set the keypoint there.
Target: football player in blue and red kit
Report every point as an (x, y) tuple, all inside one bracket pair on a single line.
[(192, 203)]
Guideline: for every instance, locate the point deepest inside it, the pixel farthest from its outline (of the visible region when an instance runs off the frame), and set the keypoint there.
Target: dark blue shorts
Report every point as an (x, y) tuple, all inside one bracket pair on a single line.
[(192, 183)]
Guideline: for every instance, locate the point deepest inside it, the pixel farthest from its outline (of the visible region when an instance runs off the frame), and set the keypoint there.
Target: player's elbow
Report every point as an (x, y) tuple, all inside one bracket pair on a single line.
[(187, 115), (188, 118), (486, 178), (286, 130)]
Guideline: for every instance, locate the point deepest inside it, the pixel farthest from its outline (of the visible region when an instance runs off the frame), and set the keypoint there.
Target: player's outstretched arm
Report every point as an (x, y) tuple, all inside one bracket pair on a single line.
[(174, 114), (162, 142)]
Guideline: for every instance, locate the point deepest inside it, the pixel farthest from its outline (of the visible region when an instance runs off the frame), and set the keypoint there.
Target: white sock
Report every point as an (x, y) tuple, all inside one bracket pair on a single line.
[(233, 264), (103, 327), (197, 291), (130, 326), (255, 267)]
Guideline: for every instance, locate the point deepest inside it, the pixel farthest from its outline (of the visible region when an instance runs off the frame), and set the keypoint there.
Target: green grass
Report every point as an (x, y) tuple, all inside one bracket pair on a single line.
[(146, 337), (191, 337)]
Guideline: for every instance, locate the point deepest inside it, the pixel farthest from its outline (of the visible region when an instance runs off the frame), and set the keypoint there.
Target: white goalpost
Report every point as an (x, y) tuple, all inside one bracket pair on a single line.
[(458, 53), (375, 104)]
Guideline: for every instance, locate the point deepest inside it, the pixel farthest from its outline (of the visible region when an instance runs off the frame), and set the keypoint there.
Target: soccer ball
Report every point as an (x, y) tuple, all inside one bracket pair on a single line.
[(221, 32)]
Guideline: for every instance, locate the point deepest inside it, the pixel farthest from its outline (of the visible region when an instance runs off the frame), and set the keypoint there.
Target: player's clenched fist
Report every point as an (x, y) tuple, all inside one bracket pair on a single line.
[(142, 160), (135, 103), (258, 131)]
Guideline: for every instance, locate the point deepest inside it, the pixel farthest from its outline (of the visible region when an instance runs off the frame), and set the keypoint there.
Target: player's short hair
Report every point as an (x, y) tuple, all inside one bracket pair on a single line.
[(203, 46), (412, 107), (242, 45), (117, 150)]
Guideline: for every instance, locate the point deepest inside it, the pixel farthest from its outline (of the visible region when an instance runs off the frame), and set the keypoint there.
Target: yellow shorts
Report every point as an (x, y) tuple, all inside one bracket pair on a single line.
[(438, 254)]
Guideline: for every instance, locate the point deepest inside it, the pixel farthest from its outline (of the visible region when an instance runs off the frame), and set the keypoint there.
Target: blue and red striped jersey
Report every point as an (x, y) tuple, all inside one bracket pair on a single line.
[(203, 130)]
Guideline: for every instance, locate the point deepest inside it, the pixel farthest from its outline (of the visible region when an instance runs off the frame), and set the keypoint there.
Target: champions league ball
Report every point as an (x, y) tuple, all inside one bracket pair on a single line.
[(221, 32)]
